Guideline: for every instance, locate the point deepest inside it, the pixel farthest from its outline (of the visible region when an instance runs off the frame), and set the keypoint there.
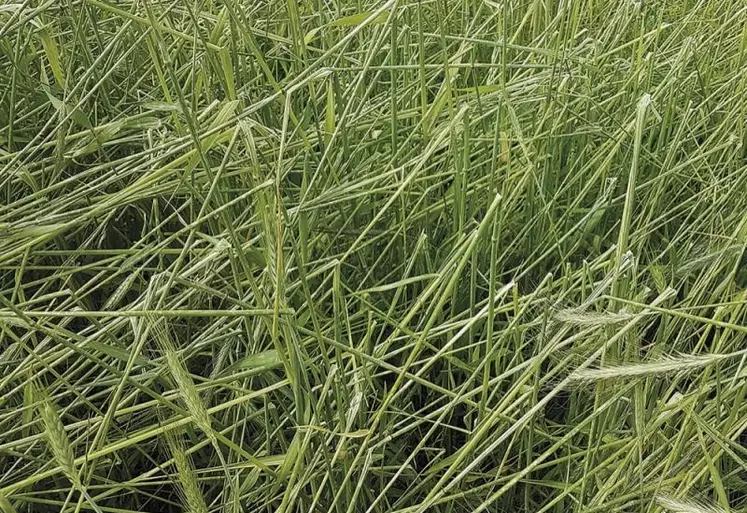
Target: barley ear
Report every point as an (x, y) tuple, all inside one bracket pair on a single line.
[(687, 505), (184, 383), (190, 486), (59, 443)]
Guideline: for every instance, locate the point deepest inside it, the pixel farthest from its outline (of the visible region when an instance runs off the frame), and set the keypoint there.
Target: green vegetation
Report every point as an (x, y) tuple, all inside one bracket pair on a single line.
[(370, 256)]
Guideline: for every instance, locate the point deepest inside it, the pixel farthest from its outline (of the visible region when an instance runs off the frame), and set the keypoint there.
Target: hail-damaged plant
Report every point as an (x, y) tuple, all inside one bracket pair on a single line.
[(373, 256)]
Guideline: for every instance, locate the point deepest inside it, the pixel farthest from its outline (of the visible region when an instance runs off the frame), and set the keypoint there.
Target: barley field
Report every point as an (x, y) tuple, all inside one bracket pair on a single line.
[(373, 256)]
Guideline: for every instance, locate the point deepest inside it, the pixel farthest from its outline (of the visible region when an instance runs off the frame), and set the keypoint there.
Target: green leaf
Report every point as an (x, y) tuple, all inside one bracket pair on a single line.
[(329, 114), (75, 114), (52, 54), (266, 359), (227, 67), (348, 21), (5, 505), (161, 106), (56, 102), (143, 123), (225, 114), (102, 136), (10, 7), (115, 352), (311, 34), (356, 19), (483, 89), (30, 232)]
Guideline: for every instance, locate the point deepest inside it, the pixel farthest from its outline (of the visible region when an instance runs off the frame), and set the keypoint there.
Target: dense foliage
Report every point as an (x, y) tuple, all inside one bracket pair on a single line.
[(373, 256)]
